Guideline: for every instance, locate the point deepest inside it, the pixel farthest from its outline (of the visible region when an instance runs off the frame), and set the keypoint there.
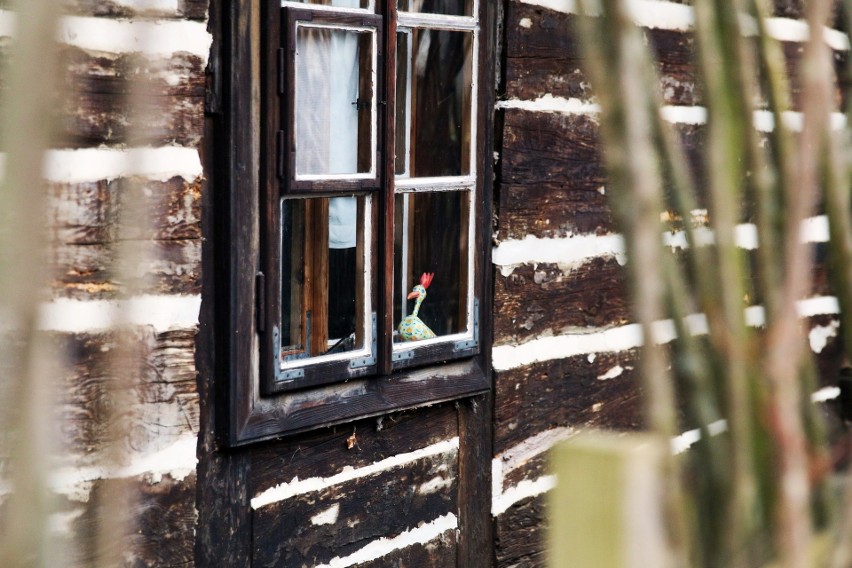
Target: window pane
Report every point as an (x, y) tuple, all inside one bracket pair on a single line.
[(435, 101), (337, 3), (448, 7), (322, 276), (432, 236), (334, 101)]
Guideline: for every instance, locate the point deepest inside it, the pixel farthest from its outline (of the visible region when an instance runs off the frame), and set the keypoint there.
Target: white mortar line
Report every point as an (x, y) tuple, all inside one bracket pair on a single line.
[(521, 453), (623, 338), (825, 394), (300, 486), (523, 490), (573, 250), (550, 103), (159, 5), (95, 164), (161, 38), (384, 546), (680, 17), (176, 460), (80, 316)]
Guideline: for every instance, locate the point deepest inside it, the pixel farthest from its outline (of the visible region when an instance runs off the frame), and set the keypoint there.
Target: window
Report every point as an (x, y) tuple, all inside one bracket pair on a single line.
[(370, 211)]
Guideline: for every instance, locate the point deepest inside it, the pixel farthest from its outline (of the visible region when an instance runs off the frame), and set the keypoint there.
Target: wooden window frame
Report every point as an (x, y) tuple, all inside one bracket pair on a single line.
[(242, 208)]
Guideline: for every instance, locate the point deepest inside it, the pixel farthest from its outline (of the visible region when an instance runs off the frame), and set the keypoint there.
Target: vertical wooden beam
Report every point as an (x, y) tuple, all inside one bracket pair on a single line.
[(476, 543)]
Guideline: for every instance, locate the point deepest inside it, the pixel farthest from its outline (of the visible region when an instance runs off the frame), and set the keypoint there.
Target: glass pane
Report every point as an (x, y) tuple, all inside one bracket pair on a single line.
[(334, 101), (431, 236), (322, 276), (337, 3), (403, 46), (448, 7), (436, 102)]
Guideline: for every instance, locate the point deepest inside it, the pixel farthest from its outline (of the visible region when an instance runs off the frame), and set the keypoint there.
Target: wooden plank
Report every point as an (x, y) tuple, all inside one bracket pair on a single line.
[(475, 530), (543, 299), (437, 553), (160, 397), (325, 453), (185, 9), (89, 212), (566, 392), (85, 271), (519, 534), (315, 527)]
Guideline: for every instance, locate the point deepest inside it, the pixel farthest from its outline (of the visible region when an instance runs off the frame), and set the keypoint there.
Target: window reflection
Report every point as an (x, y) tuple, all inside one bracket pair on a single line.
[(431, 236), (446, 7), (434, 103), (322, 284)]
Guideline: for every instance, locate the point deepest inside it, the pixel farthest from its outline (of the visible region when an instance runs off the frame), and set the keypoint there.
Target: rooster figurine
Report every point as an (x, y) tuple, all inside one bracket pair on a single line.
[(412, 328)]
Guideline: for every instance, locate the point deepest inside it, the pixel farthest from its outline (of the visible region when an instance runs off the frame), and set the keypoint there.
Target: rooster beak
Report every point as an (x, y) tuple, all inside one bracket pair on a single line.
[(413, 295)]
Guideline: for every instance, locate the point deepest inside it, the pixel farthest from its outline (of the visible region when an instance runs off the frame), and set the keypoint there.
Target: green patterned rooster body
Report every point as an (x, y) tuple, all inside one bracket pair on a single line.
[(412, 328)]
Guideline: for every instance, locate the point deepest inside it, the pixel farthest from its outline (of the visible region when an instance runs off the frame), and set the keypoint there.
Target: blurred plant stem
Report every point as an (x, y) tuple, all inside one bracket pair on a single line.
[(750, 494), (26, 131)]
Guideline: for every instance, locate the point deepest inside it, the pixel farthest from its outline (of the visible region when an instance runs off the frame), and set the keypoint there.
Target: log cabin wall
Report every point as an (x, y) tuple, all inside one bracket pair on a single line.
[(565, 352), (454, 484), (108, 49)]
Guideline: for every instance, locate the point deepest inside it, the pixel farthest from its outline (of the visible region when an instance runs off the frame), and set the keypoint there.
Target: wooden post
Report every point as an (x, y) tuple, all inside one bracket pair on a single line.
[(606, 510)]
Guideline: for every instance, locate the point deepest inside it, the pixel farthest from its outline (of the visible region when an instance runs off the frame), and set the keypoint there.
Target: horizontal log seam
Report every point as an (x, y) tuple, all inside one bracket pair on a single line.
[(625, 337), (577, 249), (674, 114), (298, 486), (160, 38), (680, 17), (381, 547)]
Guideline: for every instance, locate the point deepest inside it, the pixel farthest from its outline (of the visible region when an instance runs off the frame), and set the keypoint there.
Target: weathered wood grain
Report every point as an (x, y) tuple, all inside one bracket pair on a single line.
[(386, 504), (325, 453), (566, 392), (90, 212), (86, 271), (186, 9), (160, 521), (520, 534), (541, 299), (437, 553), (157, 388)]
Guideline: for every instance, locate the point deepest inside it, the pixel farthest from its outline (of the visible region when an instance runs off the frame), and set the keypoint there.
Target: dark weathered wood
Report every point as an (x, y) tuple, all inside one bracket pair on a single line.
[(159, 518), (186, 9), (437, 553), (90, 212), (519, 535), (86, 270), (566, 392), (382, 505), (474, 511), (535, 300), (324, 453), (161, 401)]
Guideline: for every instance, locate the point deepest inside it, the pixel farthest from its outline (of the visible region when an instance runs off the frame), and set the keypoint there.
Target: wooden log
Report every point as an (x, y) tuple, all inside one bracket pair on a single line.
[(520, 534), (313, 528), (187, 9), (326, 452), (541, 299), (86, 271), (158, 387), (89, 213), (437, 553), (566, 392)]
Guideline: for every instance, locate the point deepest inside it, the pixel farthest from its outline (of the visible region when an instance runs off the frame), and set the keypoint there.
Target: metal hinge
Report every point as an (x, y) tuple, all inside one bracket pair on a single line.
[(468, 344), (281, 374), (402, 355), (371, 360)]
